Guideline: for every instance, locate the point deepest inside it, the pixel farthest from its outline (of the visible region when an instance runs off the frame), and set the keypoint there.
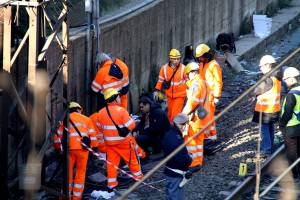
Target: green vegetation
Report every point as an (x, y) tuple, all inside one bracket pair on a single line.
[(109, 5), (246, 26), (284, 3), (271, 9)]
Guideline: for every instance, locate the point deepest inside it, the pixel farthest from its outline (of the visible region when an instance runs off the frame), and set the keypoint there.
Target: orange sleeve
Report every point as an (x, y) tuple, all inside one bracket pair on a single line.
[(97, 82), (218, 82), (92, 133), (161, 78), (197, 98), (127, 120), (99, 133)]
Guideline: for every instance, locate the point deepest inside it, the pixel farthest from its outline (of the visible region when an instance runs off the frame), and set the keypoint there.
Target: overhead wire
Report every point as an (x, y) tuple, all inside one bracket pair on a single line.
[(135, 185)]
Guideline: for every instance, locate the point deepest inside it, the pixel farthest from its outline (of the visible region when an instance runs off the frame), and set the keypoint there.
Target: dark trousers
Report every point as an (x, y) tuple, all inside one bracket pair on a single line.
[(146, 142), (173, 191), (293, 152)]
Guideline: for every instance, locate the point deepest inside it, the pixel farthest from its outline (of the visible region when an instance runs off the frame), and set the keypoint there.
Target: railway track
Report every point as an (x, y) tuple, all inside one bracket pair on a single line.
[(249, 182), (238, 133)]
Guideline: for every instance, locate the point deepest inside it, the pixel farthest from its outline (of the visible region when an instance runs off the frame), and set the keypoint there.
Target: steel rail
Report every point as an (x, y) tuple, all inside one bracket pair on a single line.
[(245, 185), (134, 186)]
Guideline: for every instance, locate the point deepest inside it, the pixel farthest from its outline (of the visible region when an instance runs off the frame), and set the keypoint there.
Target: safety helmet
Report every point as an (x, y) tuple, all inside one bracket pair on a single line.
[(201, 49), (267, 59), (108, 93), (74, 104), (174, 53), (191, 67), (290, 72), (102, 57)]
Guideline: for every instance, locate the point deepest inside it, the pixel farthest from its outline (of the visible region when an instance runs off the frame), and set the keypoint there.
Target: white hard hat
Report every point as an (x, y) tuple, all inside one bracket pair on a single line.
[(102, 57), (290, 72), (267, 59), (180, 118)]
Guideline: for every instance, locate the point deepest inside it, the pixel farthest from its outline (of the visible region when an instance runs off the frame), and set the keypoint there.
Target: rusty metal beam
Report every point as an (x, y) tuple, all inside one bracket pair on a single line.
[(19, 48), (7, 18), (52, 28), (58, 24)]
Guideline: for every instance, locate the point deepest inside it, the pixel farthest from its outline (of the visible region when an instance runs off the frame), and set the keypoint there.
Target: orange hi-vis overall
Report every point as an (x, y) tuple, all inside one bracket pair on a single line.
[(78, 156), (118, 147), (176, 94), (212, 73), (269, 102), (197, 95), (99, 135), (104, 81)]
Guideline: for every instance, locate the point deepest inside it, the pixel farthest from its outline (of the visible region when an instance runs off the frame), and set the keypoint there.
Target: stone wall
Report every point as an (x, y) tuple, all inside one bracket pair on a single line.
[(144, 38)]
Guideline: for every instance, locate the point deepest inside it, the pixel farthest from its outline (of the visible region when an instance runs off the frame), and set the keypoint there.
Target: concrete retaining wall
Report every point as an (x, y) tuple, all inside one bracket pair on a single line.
[(144, 38)]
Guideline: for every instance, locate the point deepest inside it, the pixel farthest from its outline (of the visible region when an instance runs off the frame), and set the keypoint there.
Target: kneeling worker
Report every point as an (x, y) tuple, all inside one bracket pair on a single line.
[(176, 169)]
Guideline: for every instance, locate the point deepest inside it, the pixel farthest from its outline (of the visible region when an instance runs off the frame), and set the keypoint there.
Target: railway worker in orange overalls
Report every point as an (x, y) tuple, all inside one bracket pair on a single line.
[(171, 78), (211, 72), (197, 108), (112, 73), (78, 155), (116, 124)]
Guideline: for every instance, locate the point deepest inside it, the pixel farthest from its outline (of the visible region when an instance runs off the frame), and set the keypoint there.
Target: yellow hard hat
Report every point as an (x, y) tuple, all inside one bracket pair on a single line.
[(191, 67), (74, 104), (267, 59), (174, 53), (109, 93), (201, 49)]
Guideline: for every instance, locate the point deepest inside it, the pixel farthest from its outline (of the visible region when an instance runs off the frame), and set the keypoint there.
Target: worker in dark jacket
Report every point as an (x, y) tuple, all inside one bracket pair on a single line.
[(189, 55), (176, 169), (268, 103), (290, 117), (153, 125)]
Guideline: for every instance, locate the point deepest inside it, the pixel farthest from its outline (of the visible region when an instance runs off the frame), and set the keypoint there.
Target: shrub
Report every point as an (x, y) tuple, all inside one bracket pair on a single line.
[(284, 3)]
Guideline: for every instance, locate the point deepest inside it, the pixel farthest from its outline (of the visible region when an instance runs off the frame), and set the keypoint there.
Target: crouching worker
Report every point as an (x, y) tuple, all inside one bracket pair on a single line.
[(80, 130), (116, 124), (153, 125), (176, 169)]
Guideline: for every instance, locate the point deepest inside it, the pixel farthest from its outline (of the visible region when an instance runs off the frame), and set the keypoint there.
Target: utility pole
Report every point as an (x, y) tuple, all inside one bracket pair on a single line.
[(96, 22), (65, 37), (89, 49)]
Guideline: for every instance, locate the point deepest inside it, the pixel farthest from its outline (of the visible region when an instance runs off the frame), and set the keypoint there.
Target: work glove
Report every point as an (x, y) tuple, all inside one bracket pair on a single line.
[(155, 95), (216, 101)]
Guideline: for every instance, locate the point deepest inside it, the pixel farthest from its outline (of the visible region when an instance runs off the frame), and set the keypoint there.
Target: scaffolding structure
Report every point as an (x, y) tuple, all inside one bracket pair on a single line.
[(41, 32)]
